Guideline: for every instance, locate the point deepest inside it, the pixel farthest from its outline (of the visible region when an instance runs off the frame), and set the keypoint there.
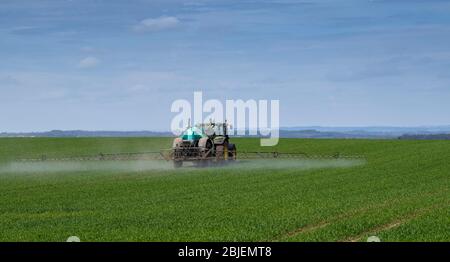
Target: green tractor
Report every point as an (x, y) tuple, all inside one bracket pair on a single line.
[(204, 145)]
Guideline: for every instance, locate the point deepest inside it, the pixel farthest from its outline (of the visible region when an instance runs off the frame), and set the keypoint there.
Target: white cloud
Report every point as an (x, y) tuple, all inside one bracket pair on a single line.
[(89, 62), (156, 24)]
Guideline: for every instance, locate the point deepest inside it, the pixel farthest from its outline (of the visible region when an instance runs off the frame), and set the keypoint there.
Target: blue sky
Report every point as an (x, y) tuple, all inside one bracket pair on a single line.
[(118, 65)]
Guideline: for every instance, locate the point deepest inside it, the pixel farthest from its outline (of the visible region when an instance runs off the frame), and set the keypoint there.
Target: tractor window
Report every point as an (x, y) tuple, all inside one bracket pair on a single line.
[(219, 130)]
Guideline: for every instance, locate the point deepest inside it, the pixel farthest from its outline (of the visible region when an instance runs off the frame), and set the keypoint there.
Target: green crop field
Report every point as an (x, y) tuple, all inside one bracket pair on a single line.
[(400, 192)]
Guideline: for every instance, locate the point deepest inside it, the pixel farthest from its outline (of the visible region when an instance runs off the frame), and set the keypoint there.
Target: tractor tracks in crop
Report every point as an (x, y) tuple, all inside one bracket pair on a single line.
[(361, 211), (396, 222)]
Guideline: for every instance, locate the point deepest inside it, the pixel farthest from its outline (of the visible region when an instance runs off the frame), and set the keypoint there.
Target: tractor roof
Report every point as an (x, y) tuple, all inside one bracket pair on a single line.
[(193, 133)]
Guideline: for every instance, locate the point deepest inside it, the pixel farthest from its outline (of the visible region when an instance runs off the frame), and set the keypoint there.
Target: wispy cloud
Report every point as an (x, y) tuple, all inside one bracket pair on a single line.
[(156, 24), (89, 62), (22, 30), (87, 49), (8, 80)]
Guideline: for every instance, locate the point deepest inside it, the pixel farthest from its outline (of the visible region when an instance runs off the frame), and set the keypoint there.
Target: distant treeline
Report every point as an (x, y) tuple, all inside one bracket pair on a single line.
[(426, 137), (358, 134)]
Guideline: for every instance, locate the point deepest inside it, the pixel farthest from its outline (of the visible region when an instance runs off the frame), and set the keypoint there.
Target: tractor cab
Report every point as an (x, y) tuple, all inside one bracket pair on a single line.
[(214, 129)]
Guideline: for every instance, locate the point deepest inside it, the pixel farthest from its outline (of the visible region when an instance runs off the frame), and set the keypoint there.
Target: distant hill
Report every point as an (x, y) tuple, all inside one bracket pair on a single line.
[(291, 132), (81, 133), (379, 132), (335, 134), (425, 137), (377, 129)]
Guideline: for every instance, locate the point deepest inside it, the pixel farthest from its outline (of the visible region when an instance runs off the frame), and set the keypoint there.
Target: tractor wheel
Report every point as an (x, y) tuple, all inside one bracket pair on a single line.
[(232, 154)]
